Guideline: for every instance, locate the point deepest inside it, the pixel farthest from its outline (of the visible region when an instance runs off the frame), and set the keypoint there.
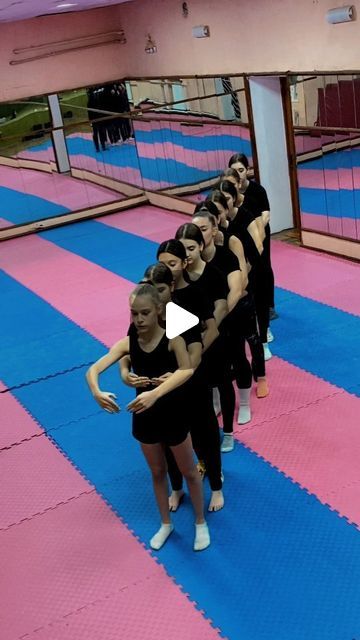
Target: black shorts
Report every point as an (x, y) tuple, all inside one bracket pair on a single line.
[(159, 425)]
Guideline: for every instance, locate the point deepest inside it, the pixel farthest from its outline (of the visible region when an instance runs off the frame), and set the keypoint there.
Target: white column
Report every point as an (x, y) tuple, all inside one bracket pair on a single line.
[(58, 137), (272, 153)]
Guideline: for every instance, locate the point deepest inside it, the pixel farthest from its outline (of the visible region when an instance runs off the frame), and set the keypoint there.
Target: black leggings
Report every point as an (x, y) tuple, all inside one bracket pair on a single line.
[(227, 402), (269, 274), (262, 306), (243, 328), (205, 437)]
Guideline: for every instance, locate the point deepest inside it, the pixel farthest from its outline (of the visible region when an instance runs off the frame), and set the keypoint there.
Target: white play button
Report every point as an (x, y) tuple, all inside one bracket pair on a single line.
[(178, 320)]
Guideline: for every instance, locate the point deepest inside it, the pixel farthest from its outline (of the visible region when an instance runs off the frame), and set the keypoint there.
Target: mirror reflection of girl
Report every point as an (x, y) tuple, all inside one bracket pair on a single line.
[(158, 410), (258, 280), (204, 430), (246, 308), (227, 262), (255, 196)]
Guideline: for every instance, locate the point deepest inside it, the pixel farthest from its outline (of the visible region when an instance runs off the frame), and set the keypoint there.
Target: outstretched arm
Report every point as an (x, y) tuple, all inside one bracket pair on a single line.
[(106, 399)]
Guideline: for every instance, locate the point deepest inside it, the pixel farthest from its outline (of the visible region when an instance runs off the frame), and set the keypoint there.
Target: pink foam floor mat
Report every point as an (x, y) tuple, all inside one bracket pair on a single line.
[(77, 563), (318, 446), (36, 477), (284, 398), (147, 222), (16, 423), (329, 280), (90, 295), (132, 613)]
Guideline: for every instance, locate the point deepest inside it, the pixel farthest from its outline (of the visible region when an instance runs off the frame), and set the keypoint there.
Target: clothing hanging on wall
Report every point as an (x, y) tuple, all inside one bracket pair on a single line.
[(109, 98)]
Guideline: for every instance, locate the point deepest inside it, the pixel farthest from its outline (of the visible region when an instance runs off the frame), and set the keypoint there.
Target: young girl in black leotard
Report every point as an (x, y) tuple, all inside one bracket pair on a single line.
[(255, 197), (160, 276), (172, 253), (158, 412), (233, 176), (247, 311), (243, 224), (204, 425), (227, 262)]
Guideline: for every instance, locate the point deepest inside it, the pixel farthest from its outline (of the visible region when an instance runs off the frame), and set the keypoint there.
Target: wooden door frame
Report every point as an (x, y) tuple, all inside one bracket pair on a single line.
[(291, 150)]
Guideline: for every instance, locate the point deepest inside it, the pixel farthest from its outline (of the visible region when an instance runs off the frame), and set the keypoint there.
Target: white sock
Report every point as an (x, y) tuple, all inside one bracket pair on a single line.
[(202, 537), (216, 400), (161, 536), (270, 336), (267, 352), (244, 414), (227, 443)]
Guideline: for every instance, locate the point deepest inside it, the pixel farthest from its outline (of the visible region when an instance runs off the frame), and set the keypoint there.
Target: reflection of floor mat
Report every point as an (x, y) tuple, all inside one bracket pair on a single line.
[(18, 207), (60, 189)]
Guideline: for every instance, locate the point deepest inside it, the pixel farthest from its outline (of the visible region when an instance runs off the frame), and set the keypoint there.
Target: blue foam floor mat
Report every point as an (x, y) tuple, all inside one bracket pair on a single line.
[(38, 340), (281, 565)]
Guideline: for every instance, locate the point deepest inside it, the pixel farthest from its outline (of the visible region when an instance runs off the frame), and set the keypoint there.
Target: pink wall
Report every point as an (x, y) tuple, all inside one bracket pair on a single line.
[(66, 71), (246, 36)]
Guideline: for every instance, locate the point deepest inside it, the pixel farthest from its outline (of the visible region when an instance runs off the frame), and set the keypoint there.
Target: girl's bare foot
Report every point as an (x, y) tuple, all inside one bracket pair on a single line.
[(175, 500), (217, 501)]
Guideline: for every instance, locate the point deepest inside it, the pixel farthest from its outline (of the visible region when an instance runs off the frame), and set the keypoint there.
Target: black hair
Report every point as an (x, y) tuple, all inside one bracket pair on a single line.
[(217, 196), (239, 157), (228, 187), (190, 231), (146, 289), (175, 247), (208, 206), (231, 173), (205, 213), (158, 273)]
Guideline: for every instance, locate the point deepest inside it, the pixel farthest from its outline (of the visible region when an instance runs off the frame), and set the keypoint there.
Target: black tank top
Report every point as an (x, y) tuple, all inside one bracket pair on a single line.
[(153, 364), (226, 237)]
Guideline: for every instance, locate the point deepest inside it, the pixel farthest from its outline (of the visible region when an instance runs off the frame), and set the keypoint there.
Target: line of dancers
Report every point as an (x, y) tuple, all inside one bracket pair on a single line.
[(217, 267)]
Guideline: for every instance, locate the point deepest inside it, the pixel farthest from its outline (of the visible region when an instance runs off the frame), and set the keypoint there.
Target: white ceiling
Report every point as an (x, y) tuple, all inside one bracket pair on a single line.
[(11, 10)]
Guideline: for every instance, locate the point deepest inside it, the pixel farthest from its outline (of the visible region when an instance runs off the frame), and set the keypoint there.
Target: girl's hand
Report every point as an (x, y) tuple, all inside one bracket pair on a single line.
[(142, 402), (137, 381), (106, 400), (158, 381)]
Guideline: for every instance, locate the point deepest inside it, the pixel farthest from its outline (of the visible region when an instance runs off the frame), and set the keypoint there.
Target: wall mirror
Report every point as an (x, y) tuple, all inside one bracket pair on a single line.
[(326, 122)]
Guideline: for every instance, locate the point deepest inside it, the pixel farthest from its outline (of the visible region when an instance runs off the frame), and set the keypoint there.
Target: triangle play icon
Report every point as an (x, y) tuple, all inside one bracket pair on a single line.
[(178, 320)]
